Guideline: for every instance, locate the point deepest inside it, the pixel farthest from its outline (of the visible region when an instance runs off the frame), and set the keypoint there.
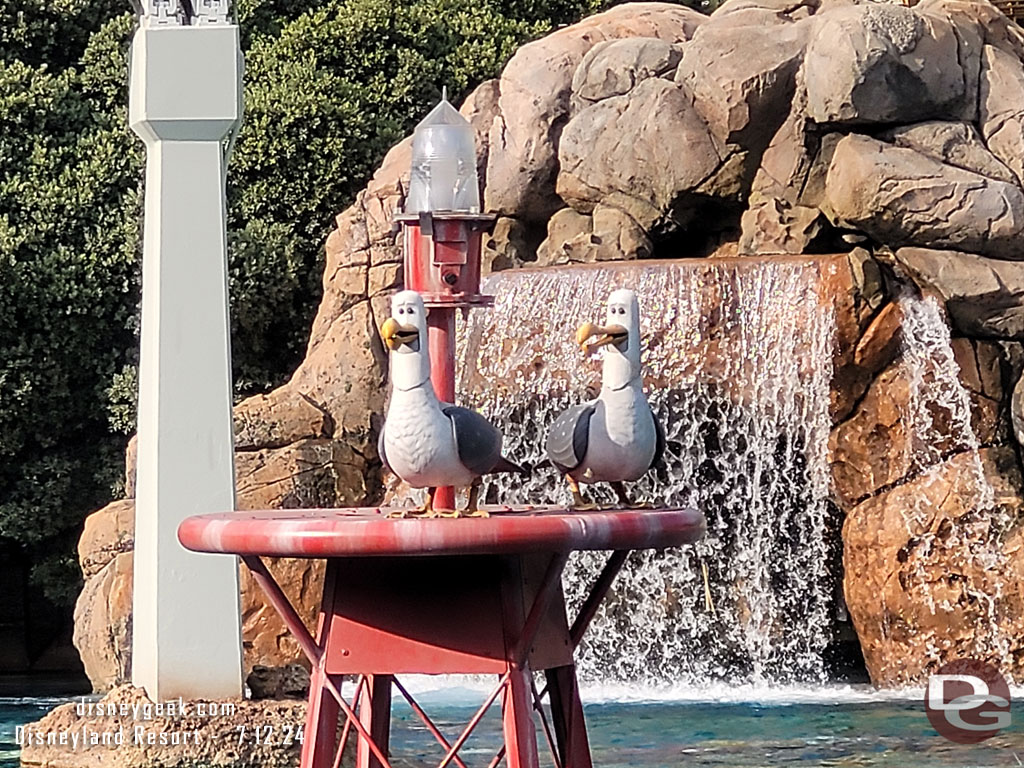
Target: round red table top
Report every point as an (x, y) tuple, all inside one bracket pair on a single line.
[(363, 532)]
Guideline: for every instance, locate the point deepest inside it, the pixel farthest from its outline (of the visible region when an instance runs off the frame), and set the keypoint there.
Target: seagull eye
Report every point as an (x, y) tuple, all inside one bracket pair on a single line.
[(401, 311)]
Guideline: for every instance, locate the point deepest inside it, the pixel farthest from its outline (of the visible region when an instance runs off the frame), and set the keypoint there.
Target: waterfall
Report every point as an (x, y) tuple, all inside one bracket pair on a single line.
[(939, 425), (738, 366)]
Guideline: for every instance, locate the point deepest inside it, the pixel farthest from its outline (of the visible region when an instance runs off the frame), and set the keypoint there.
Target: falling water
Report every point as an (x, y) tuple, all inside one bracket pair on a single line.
[(939, 426), (738, 364)]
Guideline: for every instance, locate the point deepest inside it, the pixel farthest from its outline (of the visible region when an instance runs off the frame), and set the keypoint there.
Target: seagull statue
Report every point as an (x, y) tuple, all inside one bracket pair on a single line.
[(615, 438), (425, 442)]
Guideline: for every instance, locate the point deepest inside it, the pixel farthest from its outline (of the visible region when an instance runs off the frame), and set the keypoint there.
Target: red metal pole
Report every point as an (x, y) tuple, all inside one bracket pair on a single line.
[(441, 346)]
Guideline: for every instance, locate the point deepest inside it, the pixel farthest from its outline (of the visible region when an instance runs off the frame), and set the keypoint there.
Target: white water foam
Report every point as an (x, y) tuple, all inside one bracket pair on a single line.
[(738, 364)]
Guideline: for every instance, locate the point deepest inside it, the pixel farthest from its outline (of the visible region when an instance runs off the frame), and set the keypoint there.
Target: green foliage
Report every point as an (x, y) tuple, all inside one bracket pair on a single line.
[(330, 85)]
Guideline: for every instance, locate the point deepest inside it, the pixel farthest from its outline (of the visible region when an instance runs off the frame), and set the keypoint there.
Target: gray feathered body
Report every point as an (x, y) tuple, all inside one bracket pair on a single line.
[(428, 443), (614, 438)]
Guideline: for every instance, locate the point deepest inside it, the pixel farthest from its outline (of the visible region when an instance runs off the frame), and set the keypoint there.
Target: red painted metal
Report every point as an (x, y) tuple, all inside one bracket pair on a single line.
[(442, 257), (441, 347), (369, 532), (375, 714), (440, 595)]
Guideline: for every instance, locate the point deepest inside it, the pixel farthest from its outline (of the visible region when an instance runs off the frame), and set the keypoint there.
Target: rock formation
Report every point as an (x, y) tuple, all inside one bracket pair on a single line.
[(775, 128)]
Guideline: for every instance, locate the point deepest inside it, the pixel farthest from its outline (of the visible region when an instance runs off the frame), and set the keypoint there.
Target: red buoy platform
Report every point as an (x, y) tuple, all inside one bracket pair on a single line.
[(437, 596)]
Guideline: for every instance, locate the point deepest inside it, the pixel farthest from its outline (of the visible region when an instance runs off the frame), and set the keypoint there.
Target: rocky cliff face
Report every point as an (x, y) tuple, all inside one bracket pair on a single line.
[(769, 127)]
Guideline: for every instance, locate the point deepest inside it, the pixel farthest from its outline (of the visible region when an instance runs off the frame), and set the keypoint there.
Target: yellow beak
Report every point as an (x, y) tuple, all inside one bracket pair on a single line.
[(605, 335), (395, 334)]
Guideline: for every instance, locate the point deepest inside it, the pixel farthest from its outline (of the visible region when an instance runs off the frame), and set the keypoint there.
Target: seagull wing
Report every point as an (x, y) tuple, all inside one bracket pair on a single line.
[(659, 441), (380, 451), (476, 439), (568, 437)]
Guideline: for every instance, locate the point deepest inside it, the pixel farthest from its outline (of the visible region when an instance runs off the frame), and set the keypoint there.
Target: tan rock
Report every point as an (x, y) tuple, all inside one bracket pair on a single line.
[(902, 197), (743, 78), (953, 143), (1001, 107), (535, 101), (606, 235), (934, 569), (108, 532), (316, 472), (511, 243), (614, 67), (881, 341), (103, 624), (882, 63), (984, 297), (282, 417), (977, 22), (640, 153), (345, 372), (265, 638), (878, 446)]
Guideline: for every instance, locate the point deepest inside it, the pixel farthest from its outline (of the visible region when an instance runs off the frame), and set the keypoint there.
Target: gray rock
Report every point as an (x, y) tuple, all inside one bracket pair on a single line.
[(902, 197), (639, 153), (984, 297), (880, 63), (613, 68), (743, 79), (536, 87), (606, 235), (956, 144), (509, 245), (1001, 107)]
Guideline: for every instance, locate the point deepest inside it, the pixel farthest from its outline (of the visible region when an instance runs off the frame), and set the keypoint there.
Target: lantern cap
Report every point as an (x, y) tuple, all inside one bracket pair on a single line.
[(443, 176)]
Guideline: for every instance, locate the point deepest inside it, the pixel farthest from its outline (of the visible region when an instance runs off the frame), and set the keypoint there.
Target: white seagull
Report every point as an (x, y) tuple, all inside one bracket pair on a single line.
[(425, 442), (616, 437)]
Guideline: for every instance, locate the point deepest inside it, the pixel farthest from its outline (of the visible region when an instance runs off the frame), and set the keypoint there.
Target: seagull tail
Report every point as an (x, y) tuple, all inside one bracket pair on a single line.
[(504, 465)]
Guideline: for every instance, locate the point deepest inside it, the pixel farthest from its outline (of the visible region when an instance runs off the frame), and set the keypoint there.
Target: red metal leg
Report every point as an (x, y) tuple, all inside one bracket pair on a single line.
[(375, 715), (441, 345), (321, 732), (517, 712), (567, 717)]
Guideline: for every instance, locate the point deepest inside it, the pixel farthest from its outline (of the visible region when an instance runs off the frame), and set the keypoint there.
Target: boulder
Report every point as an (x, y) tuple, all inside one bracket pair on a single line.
[(742, 79), (103, 623), (984, 297), (883, 443), (750, 13), (606, 235), (882, 63), (275, 420), (536, 89), (614, 67), (954, 143), (510, 244), (641, 153), (934, 569), (1001, 107), (902, 197), (315, 472), (107, 533)]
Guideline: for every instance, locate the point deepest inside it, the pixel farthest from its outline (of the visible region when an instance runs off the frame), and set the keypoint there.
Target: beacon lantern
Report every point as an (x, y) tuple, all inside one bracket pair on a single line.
[(442, 224)]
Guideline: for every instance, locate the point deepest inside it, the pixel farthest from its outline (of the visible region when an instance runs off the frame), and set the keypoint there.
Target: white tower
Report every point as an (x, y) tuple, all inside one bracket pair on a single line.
[(185, 103)]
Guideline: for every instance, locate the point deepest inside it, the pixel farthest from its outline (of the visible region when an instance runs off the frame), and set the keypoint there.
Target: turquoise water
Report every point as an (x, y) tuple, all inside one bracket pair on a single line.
[(735, 728)]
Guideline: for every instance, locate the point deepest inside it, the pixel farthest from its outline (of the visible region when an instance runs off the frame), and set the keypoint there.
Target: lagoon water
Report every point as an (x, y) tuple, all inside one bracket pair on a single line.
[(734, 726)]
